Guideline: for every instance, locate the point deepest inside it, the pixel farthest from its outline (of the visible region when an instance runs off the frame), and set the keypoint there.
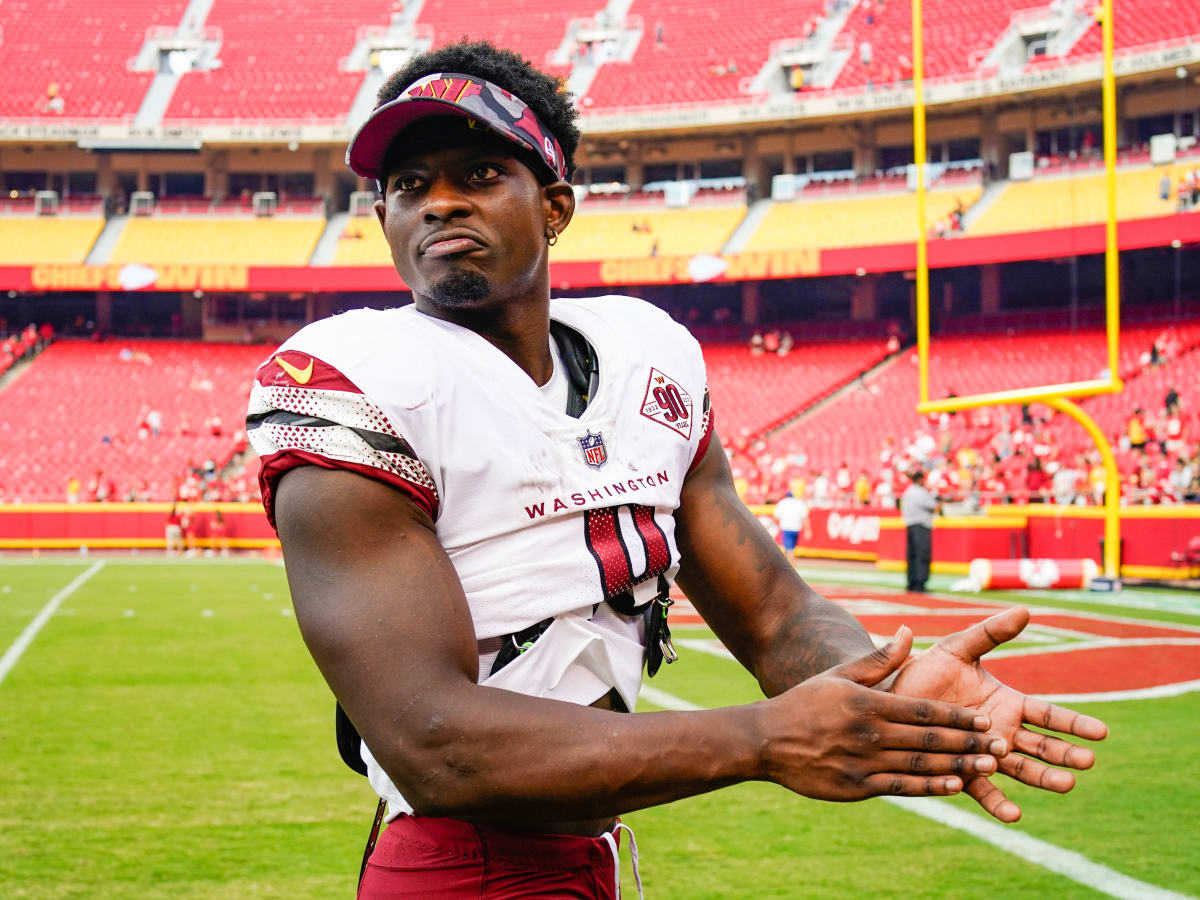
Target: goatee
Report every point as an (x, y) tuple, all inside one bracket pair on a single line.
[(460, 289)]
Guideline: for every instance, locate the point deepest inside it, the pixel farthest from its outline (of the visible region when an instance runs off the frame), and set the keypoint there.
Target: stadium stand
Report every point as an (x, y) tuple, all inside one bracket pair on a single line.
[(1139, 22), (67, 58), (48, 436), (279, 66), (754, 392), (591, 235), (531, 27), (249, 241), (678, 61), (851, 430), (362, 244), (957, 33), (1058, 202), (50, 239), (661, 232), (854, 220)]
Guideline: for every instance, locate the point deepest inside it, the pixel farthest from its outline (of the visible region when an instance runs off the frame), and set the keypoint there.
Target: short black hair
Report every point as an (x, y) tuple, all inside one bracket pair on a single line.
[(545, 94)]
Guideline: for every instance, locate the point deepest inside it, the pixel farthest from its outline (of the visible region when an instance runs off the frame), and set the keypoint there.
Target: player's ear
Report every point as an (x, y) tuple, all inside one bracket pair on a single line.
[(558, 200), (380, 209)]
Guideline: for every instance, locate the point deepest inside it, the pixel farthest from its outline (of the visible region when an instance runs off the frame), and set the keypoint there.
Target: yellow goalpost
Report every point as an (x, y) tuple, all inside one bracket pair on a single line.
[(1057, 396)]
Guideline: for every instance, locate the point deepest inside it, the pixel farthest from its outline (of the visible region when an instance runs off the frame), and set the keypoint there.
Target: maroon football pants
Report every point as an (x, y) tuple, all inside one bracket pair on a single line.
[(426, 856)]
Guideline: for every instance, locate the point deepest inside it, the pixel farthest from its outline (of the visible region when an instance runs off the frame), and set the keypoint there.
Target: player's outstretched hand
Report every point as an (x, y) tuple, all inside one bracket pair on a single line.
[(834, 738), (950, 671)]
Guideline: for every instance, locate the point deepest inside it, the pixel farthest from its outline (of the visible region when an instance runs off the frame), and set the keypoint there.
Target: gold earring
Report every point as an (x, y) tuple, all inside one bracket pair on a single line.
[(551, 236)]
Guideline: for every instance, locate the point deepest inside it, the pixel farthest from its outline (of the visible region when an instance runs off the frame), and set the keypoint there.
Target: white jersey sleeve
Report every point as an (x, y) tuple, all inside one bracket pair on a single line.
[(306, 409)]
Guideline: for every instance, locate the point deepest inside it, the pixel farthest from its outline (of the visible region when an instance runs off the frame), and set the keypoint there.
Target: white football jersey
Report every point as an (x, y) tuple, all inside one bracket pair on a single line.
[(541, 514)]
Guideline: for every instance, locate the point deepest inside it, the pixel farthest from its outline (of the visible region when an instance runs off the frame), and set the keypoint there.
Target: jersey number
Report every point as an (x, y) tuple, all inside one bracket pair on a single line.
[(605, 532), (671, 402)]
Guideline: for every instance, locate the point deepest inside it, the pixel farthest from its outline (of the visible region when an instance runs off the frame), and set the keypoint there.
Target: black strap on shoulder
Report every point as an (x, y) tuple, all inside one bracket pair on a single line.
[(349, 743), (583, 369)]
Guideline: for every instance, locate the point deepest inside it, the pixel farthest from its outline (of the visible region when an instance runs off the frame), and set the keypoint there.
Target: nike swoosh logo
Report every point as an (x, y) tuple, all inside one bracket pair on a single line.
[(301, 376)]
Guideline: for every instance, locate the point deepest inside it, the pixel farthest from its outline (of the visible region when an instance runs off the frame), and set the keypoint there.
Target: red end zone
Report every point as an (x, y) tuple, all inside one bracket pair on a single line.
[(1083, 653)]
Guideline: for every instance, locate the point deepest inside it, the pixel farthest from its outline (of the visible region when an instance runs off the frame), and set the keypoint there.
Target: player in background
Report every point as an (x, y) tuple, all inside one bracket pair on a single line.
[(792, 514), (483, 499)]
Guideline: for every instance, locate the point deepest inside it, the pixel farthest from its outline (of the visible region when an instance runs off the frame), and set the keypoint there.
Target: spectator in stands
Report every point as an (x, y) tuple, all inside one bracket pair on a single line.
[(822, 490), (1171, 401), (1088, 143), (843, 483), (1183, 193), (862, 489), (54, 100), (1135, 430), (154, 421), (1037, 482), (885, 492), (756, 343), (865, 53), (1164, 186), (771, 341), (1179, 482), (786, 343), (792, 514), (72, 489), (1173, 437), (917, 508)]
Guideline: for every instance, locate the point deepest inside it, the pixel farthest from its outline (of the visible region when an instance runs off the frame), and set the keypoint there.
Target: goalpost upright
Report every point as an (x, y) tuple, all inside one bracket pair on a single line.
[(1057, 396)]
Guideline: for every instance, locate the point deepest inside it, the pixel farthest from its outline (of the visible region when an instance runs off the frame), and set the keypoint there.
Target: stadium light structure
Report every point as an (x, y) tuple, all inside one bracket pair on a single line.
[(1057, 396)]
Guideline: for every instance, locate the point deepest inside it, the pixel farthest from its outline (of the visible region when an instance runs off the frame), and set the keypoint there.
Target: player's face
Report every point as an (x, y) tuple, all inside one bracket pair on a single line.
[(466, 223)]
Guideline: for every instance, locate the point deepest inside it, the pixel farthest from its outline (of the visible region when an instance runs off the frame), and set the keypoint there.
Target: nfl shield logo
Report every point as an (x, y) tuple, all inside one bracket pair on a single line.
[(594, 453)]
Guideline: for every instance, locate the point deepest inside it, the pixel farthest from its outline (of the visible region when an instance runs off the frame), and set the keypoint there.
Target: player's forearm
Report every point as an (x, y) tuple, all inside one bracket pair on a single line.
[(809, 635), (488, 753)]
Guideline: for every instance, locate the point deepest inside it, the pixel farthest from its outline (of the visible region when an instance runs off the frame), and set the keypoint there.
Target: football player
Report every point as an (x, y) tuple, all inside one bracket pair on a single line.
[(484, 499)]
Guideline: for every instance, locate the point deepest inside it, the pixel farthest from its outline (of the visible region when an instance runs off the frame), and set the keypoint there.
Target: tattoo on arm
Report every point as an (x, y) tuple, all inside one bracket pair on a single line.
[(811, 634), (814, 636), (767, 558)]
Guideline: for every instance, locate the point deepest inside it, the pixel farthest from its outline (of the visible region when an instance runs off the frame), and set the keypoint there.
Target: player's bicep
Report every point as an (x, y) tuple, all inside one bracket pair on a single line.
[(377, 600)]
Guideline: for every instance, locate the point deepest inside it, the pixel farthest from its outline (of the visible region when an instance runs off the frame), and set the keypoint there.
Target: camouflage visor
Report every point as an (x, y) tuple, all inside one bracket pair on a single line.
[(480, 102)]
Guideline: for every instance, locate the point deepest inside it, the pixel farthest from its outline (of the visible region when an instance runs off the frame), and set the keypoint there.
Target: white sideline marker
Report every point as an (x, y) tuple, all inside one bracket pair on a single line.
[(1063, 862), (21, 644), (1067, 863)]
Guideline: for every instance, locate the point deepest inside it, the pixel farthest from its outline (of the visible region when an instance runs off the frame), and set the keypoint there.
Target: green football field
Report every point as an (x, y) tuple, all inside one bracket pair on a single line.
[(164, 734)]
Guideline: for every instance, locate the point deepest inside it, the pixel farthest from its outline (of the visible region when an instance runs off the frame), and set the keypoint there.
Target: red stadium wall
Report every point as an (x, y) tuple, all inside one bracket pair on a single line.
[(1149, 534), (877, 535), (49, 526), (965, 251)]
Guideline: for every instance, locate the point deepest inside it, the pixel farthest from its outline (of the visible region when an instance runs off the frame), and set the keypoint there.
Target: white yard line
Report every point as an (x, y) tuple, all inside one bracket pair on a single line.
[(711, 646), (21, 644), (1064, 862), (1146, 693), (666, 701), (714, 647), (1067, 863)]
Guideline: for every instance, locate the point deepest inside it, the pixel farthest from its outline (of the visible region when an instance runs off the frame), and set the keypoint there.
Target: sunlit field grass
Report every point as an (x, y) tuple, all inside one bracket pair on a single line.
[(166, 735)]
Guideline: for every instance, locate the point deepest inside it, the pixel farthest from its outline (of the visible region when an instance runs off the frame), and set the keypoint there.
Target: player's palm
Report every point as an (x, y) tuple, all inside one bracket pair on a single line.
[(950, 671)]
